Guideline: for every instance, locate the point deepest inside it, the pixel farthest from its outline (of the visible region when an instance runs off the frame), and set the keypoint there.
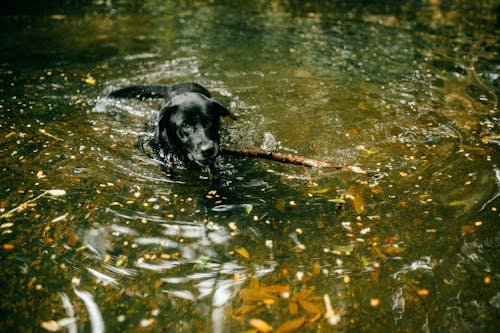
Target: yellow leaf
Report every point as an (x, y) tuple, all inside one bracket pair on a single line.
[(254, 295), (320, 190), (304, 294), (423, 292), (90, 80), (362, 106), (276, 288), (467, 229), (242, 252), (359, 204), (293, 308), (291, 325), (245, 309), (390, 251), (309, 307)]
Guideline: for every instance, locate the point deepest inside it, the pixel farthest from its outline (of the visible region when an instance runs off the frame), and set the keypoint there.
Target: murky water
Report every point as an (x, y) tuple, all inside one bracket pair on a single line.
[(95, 236)]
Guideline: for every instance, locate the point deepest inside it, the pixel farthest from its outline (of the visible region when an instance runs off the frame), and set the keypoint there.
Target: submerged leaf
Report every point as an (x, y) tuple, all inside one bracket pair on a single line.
[(467, 229), (293, 308), (304, 294), (291, 325), (375, 275), (359, 204), (255, 295), (309, 307), (245, 309), (393, 250), (276, 289), (280, 205)]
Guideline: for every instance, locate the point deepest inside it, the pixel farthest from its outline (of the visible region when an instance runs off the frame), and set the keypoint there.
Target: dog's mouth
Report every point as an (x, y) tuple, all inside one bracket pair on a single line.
[(203, 162), (204, 157)]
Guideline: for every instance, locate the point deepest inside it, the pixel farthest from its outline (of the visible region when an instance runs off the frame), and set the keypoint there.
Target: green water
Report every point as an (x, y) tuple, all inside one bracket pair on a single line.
[(407, 89)]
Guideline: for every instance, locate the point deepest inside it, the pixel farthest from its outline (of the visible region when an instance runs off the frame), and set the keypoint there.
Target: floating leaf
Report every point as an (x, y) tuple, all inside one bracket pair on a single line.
[(457, 203), (338, 200), (423, 292), (393, 250), (90, 80), (242, 252), (344, 248), (260, 325), (248, 208), (44, 132), (320, 190), (51, 326), (158, 283), (490, 138), (58, 17), (291, 325), (365, 261), (56, 193)]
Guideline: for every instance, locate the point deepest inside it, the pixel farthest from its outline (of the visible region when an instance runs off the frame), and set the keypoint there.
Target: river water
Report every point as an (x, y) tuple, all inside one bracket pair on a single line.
[(95, 236)]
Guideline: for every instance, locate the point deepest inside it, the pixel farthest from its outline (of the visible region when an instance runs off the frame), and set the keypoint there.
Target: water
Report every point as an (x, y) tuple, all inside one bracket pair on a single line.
[(406, 89)]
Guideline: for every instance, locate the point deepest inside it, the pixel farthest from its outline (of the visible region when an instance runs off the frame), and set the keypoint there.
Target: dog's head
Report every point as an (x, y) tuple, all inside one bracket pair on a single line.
[(189, 127)]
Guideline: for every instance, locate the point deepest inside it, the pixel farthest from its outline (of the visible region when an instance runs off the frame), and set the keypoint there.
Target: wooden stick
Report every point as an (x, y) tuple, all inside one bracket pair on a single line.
[(292, 159)]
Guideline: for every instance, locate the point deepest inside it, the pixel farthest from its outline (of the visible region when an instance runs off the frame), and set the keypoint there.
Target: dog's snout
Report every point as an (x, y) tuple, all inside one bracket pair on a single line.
[(208, 150)]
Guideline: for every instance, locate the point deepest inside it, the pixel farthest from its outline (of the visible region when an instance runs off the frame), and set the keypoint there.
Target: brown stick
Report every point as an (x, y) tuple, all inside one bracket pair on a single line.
[(292, 159)]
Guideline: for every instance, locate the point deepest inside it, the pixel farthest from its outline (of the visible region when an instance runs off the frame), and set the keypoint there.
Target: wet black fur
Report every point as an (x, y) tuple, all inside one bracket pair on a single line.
[(187, 129)]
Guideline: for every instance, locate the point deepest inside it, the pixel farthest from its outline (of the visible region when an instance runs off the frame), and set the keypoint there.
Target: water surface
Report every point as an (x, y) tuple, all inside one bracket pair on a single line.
[(95, 236)]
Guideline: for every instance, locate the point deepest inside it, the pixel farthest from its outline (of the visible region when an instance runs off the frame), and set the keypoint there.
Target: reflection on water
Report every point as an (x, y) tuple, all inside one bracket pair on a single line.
[(410, 90)]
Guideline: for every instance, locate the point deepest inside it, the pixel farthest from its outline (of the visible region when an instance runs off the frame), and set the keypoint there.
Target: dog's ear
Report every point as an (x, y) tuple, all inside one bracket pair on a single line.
[(164, 117), (222, 110)]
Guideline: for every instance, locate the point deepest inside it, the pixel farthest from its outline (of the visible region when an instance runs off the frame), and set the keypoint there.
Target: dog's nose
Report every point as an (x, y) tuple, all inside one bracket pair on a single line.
[(208, 150)]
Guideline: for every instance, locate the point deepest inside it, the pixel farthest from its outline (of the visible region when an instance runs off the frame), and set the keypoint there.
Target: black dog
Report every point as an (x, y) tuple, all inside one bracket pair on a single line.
[(187, 129)]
